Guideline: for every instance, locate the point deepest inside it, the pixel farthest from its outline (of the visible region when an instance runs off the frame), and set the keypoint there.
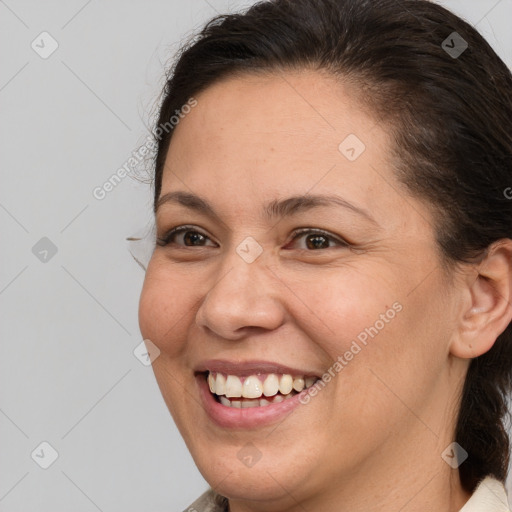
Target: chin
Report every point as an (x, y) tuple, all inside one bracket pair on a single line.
[(230, 478), (241, 469)]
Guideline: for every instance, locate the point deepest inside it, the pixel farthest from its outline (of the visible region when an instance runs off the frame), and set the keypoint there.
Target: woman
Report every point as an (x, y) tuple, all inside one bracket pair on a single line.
[(331, 287)]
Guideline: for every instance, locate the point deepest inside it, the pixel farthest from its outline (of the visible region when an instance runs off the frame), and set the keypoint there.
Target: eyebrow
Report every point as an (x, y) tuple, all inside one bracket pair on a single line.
[(275, 208)]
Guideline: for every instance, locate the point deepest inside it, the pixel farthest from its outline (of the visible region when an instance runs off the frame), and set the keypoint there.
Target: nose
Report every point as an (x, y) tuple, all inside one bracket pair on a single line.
[(244, 297)]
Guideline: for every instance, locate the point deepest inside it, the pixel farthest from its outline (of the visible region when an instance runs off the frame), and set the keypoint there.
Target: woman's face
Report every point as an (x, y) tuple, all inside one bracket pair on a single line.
[(359, 299)]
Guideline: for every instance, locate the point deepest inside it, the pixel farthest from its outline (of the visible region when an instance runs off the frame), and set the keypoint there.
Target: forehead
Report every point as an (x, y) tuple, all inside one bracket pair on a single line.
[(264, 114), (256, 137)]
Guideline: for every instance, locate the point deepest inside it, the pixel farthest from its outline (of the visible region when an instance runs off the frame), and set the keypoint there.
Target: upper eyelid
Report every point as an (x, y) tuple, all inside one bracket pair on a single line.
[(303, 231)]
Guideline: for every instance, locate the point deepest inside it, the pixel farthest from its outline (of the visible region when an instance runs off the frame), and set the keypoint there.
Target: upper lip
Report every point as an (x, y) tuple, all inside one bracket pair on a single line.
[(246, 368)]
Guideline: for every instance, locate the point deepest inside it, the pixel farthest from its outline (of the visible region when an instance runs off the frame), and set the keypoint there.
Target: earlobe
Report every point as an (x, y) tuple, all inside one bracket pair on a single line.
[(490, 308)]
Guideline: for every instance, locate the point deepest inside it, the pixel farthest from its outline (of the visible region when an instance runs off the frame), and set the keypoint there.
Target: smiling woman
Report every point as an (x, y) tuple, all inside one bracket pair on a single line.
[(331, 286)]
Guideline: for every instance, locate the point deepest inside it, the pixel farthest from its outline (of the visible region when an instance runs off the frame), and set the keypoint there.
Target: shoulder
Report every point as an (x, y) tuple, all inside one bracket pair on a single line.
[(489, 496)]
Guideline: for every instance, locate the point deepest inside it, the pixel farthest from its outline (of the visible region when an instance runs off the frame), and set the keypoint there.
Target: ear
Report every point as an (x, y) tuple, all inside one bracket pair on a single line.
[(488, 311)]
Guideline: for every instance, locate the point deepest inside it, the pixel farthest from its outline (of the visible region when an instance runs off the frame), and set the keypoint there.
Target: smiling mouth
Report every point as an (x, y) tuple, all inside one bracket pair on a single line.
[(256, 390)]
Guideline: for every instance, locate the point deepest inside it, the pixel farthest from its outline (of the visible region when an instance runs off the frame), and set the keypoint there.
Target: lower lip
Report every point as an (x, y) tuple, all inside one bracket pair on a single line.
[(233, 417)]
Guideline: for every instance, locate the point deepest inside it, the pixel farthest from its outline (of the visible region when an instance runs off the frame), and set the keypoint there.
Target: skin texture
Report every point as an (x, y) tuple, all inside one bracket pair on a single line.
[(372, 438)]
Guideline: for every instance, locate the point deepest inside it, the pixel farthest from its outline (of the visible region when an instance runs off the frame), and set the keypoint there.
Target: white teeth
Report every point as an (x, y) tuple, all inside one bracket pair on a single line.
[(252, 387), (271, 385), (220, 384), (233, 386), (252, 402), (211, 382), (275, 387), (298, 384), (285, 384)]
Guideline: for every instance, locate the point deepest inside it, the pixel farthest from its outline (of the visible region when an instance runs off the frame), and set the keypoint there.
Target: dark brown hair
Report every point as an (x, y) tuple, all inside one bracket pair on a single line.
[(449, 118)]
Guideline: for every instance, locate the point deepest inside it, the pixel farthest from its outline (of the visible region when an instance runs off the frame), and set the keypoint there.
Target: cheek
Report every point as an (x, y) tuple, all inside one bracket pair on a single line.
[(370, 334), (344, 306), (164, 310), (164, 314)]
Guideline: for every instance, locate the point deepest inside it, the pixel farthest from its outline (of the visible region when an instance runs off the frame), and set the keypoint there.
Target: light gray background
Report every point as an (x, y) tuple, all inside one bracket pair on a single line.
[(69, 325)]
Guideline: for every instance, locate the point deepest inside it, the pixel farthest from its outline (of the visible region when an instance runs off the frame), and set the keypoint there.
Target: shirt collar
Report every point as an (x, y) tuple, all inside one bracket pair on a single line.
[(489, 496)]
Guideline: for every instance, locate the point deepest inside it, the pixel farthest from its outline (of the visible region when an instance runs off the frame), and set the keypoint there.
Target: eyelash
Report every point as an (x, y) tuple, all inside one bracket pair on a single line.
[(167, 238)]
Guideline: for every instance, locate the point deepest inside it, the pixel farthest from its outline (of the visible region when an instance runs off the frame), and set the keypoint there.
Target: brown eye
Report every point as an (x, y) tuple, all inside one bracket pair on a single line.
[(193, 238), (317, 242), (184, 235), (318, 239)]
